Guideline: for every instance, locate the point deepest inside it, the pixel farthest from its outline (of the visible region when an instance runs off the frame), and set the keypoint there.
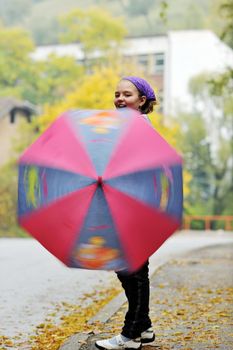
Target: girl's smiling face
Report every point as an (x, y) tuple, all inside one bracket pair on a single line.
[(127, 95)]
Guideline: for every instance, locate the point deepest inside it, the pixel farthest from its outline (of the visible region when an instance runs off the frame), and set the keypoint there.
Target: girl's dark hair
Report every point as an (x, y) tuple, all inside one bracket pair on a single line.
[(148, 106)]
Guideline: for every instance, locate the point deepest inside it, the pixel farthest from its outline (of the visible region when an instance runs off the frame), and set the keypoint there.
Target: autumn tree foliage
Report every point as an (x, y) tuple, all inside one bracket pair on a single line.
[(15, 47), (97, 31)]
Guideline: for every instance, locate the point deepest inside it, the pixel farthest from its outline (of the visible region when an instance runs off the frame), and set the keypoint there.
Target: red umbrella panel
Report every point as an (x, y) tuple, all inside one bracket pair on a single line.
[(100, 189)]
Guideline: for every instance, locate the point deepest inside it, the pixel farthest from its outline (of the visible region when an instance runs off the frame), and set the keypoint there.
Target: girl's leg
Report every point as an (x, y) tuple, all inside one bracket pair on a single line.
[(137, 290)]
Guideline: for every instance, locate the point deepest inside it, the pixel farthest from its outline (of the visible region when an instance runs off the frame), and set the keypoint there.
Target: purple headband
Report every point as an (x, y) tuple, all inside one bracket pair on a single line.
[(143, 87)]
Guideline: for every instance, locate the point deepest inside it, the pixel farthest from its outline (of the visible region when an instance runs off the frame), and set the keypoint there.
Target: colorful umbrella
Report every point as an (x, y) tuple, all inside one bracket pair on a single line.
[(100, 189)]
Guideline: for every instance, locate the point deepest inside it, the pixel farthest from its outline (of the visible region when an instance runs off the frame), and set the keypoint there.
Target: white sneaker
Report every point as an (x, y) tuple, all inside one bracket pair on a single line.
[(148, 336), (117, 343)]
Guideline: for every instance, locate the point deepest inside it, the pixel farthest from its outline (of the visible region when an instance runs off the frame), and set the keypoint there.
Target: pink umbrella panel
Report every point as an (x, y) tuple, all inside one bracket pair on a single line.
[(100, 189)]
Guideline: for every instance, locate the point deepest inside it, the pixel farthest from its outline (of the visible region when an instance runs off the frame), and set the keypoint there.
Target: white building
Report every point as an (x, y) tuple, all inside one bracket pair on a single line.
[(170, 60), (191, 53)]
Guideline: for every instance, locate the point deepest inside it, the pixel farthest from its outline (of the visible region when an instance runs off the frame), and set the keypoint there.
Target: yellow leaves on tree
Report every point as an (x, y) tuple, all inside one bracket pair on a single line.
[(15, 41), (15, 46), (94, 29), (170, 130), (56, 77), (96, 91)]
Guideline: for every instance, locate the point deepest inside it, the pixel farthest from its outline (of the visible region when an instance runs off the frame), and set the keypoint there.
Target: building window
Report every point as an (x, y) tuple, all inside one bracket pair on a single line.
[(161, 102), (143, 61), (159, 62)]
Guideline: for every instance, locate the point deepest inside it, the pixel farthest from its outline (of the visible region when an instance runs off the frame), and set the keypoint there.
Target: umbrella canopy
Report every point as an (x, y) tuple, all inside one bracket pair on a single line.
[(100, 189)]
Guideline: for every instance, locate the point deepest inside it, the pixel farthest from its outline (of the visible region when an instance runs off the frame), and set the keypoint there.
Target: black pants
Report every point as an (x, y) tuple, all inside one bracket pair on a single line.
[(137, 291)]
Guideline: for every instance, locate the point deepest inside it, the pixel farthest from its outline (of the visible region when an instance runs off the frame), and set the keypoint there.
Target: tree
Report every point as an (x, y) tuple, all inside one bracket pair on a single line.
[(96, 30), (15, 47), (12, 12), (36, 81), (44, 31), (138, 8), (195, 147), (8, 201), (226, 10), (53, 78), (220, 89), (92, 92), (208, 142)]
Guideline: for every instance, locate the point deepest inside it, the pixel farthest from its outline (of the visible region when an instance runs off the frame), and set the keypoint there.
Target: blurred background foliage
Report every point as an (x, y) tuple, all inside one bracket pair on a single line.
[(41, 17), (60, 83)]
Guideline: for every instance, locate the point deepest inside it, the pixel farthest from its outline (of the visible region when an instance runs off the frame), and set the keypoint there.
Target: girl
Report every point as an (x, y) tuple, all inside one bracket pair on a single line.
[(136, 93)]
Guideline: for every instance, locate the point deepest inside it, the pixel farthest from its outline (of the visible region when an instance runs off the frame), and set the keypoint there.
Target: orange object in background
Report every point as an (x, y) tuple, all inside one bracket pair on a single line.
[(208, 219)]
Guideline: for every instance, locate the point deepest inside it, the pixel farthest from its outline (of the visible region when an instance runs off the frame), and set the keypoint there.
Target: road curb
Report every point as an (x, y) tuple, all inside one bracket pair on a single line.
[(75, 342)]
